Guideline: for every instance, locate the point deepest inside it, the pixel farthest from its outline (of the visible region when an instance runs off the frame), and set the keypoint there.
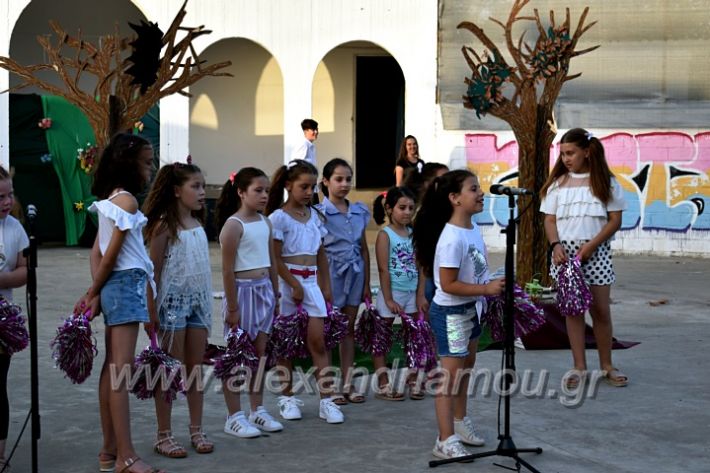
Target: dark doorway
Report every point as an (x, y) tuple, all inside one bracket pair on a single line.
[(379, 119)]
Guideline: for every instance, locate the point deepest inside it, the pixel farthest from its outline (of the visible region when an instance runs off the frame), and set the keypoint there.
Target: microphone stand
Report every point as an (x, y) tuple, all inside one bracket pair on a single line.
[(506, 446), (31, 254)]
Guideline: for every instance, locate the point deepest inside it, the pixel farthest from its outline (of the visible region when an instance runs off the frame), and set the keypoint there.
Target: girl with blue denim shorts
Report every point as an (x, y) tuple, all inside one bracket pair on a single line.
[(179, 251), (304, 276), (447, 241), (122, 275), (399, 277), (348, 259), (250, 288)]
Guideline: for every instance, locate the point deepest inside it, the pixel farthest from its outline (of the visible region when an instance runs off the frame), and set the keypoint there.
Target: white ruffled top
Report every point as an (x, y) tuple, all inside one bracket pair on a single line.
[(133, 253), (580, 214), (298, 238)]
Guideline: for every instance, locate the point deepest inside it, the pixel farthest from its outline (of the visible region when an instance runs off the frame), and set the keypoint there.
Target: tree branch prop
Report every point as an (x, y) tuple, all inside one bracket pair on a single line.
[(178, 68)]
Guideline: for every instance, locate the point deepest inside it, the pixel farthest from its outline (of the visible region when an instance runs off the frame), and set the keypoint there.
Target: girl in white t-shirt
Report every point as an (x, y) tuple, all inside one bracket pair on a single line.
[(178, 248), (446, 239), (13, 273), (582, 203), (304, 276)]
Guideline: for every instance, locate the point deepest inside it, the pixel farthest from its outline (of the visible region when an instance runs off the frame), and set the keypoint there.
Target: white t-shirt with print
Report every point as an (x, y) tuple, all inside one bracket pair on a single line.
[(13, 240), (461, 248)]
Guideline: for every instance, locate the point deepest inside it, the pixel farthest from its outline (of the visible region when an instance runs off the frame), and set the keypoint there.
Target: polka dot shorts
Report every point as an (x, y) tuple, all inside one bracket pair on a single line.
[(598, 270)]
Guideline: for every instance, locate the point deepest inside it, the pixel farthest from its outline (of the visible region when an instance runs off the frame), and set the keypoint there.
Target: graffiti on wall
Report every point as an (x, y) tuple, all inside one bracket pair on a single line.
[(664, 176)]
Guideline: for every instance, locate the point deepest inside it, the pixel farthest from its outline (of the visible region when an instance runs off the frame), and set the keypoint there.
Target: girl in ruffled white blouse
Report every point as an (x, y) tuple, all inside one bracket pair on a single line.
[(302, 264), (178, 248), (582, 203), (121, 272)]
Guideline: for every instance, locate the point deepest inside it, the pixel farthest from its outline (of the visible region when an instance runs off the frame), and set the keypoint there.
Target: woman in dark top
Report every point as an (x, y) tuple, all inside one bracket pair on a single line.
[(408, 160)]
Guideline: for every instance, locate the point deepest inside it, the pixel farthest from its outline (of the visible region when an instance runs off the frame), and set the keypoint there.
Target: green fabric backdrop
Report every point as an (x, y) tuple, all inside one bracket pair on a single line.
[(70, 130)]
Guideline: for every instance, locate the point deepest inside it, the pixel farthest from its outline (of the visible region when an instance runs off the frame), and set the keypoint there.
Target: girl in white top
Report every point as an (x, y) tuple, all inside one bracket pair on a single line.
[(121, 271), (13, 273), (582, 203), (302, 264), (179, 251), (250, 282), (446, 239)]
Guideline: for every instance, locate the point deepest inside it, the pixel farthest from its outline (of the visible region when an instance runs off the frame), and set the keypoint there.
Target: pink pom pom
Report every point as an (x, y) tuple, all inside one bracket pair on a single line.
[(528, 316), (573, 294), (372, 332), (74, 348), (419, 343), (336, 327), (240, 353), (289, 334), (13, 334), (157, 371)]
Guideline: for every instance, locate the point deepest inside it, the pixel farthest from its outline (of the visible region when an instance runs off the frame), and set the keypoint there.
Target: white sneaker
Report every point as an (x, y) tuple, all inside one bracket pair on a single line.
[(467, 432), (330, 411), (289, 407), (449, 448), (263, 420), (238, 425)]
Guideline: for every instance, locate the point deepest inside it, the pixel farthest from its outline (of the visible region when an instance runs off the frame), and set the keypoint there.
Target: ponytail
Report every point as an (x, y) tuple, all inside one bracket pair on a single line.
[(284, 174), (435, 211), (229, 201), (390, 198)]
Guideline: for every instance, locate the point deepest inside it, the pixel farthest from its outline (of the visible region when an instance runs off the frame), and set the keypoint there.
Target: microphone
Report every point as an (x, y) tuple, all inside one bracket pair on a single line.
[(500, 189), (31, 212)]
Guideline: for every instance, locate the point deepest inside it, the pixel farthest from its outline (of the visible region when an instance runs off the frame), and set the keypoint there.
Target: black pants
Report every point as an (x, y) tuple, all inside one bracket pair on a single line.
[(4, 405)]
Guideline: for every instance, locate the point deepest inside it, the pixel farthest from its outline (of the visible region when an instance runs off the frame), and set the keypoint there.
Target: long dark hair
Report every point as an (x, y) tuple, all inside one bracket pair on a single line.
[(417, 182), (229, 200), (161, 205), (402, 156), (599, 173), (329, 169), (119, 166), (286, 173), (435, 211), (387, 200)]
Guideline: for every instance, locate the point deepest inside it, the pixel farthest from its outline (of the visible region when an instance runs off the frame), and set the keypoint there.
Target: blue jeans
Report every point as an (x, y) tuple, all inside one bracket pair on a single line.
[(454, 327), (123, 297)]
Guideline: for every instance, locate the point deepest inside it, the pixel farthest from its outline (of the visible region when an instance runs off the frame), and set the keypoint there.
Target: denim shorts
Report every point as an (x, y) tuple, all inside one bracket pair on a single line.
[(454, 327), (347, 288), (123, 297)]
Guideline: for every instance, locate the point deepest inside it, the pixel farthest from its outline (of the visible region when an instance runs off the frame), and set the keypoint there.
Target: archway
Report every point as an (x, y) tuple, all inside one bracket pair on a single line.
[(358, 100), (238, 121)]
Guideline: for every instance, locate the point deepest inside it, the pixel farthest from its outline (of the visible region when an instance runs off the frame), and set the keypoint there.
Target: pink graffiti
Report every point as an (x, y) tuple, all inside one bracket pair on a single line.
[(664, 175)]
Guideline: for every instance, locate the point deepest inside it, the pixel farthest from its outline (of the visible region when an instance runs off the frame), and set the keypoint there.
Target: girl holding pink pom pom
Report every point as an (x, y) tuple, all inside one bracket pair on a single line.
[(399, 276), (121, 272), (449, 242), (178, 248), (304, 275), (348, 257), (13, 274), (582, 203), (250, 283)]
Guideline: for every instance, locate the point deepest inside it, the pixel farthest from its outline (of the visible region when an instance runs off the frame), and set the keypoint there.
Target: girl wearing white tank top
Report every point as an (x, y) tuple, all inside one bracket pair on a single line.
[(179, 250), (250, 283)]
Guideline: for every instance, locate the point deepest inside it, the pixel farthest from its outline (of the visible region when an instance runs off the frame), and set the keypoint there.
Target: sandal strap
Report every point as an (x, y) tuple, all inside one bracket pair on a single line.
[(172, 446)]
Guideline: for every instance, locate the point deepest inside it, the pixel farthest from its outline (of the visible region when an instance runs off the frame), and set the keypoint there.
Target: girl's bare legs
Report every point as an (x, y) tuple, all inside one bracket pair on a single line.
[(256, 393), (195, 345), (173, 342), (444, 401), (379, 363), (575, 333), (347, 349), (109, 446), (316, 347), (461, 394), (286, 367), (601, 323), (123, 347)]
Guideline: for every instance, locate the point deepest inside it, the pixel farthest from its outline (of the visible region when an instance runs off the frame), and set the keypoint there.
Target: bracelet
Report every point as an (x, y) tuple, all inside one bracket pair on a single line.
[(232, 310), (552, 247)]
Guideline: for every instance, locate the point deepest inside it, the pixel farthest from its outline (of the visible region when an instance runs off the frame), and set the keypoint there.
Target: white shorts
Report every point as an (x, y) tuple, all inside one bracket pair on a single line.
[(313, 301), (407, 300)]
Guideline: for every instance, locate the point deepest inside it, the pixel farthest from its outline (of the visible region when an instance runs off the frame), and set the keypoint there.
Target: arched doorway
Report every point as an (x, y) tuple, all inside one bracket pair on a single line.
[(358, 100), (237, 121)]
